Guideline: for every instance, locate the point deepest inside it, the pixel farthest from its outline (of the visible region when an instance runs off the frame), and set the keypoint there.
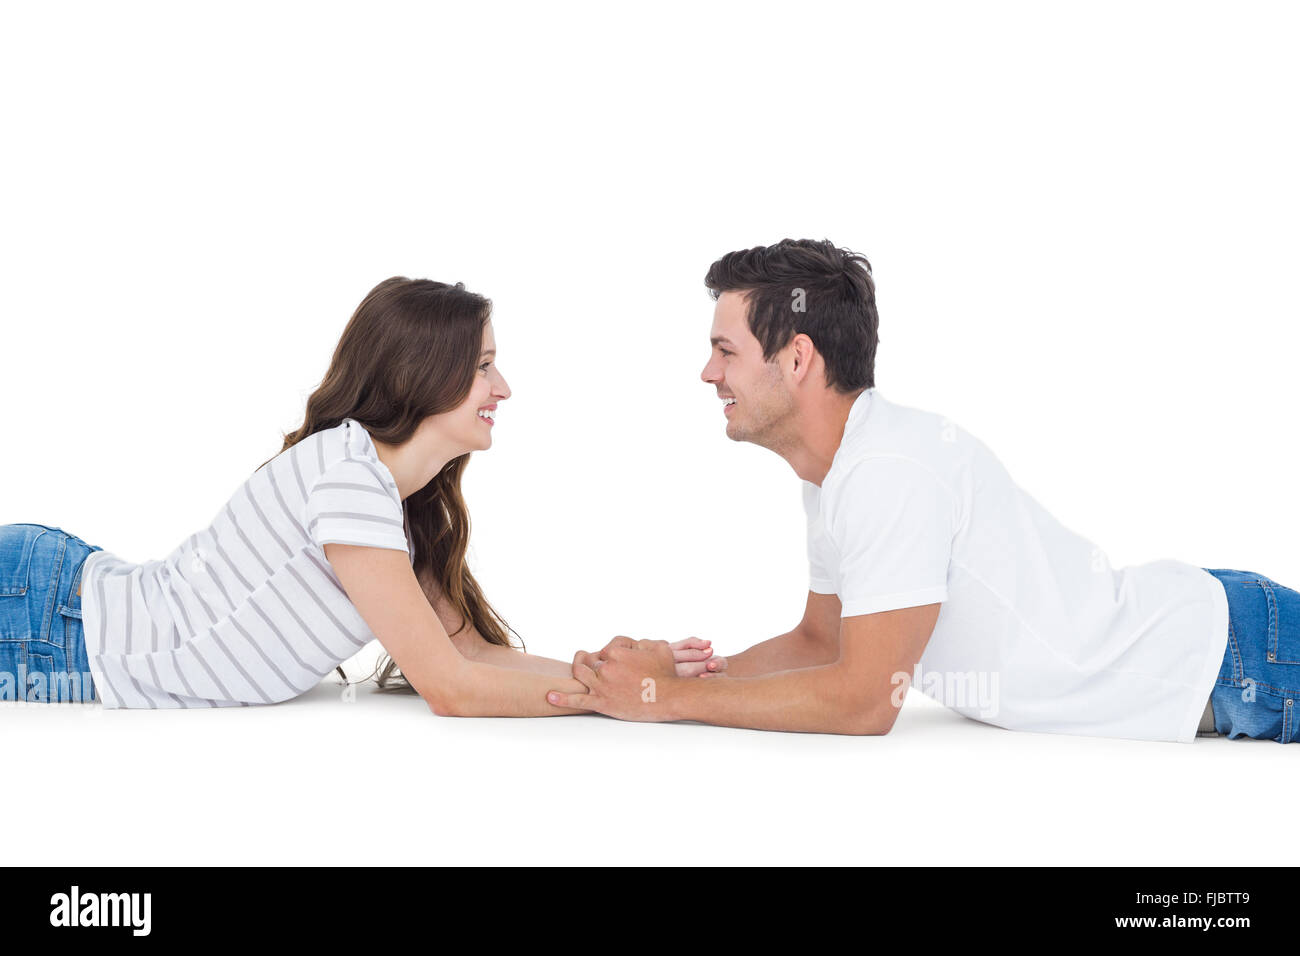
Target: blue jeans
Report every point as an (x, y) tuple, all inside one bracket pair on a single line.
[(42, 645), (1258, 687)]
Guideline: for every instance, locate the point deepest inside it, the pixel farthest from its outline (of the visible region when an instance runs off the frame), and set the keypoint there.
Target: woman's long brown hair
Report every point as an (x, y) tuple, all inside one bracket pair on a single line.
[(409, 351)]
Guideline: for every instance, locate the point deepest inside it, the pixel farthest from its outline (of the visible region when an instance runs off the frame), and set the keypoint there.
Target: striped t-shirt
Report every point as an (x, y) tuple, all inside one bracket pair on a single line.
[(248, 610)]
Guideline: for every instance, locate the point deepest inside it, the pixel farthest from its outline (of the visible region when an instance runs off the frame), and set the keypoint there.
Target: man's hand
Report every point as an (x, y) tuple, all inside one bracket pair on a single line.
[(586, 659), (692, 657), (630, 680)]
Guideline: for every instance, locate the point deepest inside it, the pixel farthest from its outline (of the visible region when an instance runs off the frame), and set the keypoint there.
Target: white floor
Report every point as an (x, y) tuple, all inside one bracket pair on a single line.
[(380, 780)]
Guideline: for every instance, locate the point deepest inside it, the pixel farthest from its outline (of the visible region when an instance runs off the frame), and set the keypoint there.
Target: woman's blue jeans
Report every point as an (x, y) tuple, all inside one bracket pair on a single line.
[(42, 645), (1258, 686)]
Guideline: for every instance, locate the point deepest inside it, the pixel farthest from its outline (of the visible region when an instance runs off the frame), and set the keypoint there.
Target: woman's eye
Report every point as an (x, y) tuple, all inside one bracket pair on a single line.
[(483, 367)]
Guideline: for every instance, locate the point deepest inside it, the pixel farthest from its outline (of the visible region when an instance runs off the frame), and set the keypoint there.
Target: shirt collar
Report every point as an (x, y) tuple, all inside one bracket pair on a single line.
[(858, 410), (857, 419)]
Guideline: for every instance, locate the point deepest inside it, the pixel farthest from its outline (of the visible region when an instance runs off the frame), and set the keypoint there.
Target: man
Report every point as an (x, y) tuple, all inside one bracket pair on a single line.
[(928, 565)]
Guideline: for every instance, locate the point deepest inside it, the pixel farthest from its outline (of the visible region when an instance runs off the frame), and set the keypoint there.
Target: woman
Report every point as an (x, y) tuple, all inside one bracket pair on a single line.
[(356, 530)]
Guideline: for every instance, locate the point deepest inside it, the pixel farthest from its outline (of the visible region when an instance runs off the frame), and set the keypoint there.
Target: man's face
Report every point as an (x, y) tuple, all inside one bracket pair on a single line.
[(763, 410)]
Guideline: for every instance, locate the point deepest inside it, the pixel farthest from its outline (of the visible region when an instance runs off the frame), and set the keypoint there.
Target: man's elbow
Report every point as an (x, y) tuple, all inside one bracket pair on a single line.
[(869, 726), (855, 711), (880, 726), (869, 719)]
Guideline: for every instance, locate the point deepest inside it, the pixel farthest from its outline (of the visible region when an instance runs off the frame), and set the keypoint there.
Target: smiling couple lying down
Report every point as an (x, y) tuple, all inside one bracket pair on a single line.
[(928, 566)]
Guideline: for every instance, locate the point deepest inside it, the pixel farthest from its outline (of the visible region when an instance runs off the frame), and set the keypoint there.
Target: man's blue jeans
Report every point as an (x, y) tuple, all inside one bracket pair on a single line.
[(1258, 686)]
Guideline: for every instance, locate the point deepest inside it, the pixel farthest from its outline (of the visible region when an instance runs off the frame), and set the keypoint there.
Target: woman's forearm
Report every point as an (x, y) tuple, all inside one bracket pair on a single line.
[(501, 656), (487, 690)]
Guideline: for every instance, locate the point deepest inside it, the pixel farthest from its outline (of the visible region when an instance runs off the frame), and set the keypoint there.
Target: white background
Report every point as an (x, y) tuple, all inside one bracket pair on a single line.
[(1082, 223)]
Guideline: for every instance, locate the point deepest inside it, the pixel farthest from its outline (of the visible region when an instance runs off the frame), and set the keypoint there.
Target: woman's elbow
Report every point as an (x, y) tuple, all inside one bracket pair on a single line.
[(451, 695), (443, 707), (447, 702)]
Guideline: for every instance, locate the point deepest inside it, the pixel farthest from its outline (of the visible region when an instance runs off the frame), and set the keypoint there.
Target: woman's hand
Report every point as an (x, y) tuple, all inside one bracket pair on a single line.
[(714, 667), (693, 657)]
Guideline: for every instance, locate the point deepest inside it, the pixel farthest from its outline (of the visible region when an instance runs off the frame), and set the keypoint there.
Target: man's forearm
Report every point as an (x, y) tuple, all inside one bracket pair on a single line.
[(810, 700), (789, 651)]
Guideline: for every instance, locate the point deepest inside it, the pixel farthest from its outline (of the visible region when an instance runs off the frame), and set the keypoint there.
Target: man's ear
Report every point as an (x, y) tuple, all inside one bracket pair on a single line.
[(803, 352)]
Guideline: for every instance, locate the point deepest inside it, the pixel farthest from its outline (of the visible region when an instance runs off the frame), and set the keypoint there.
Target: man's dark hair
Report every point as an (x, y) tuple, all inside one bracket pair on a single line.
[(838, 300)]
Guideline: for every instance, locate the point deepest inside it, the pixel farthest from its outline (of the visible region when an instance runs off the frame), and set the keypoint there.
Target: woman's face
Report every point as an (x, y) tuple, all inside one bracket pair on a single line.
[(471, 423)]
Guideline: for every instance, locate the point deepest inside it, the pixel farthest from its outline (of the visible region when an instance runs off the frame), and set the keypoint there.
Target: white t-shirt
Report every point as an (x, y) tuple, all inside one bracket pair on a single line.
[(1036, 632), (248, 610)]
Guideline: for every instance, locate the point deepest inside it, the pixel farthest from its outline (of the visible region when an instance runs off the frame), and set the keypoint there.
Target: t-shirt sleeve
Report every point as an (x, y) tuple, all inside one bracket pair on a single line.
[(891, 522), (352, 502), (821, 560)]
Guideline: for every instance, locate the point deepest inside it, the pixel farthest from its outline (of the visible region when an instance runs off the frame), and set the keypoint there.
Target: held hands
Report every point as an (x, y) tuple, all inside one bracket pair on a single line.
[(695, 658), (631, 680), (692, 657)]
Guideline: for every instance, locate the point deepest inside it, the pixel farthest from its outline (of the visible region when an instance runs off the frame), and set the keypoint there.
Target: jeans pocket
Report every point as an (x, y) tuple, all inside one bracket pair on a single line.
[(70, 605), (1282, 646), (17, 590), (41, 677), (1279, 671)]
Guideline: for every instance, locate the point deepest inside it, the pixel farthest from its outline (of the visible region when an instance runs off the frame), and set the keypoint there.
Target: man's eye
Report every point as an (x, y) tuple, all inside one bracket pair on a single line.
[(724, 351)]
